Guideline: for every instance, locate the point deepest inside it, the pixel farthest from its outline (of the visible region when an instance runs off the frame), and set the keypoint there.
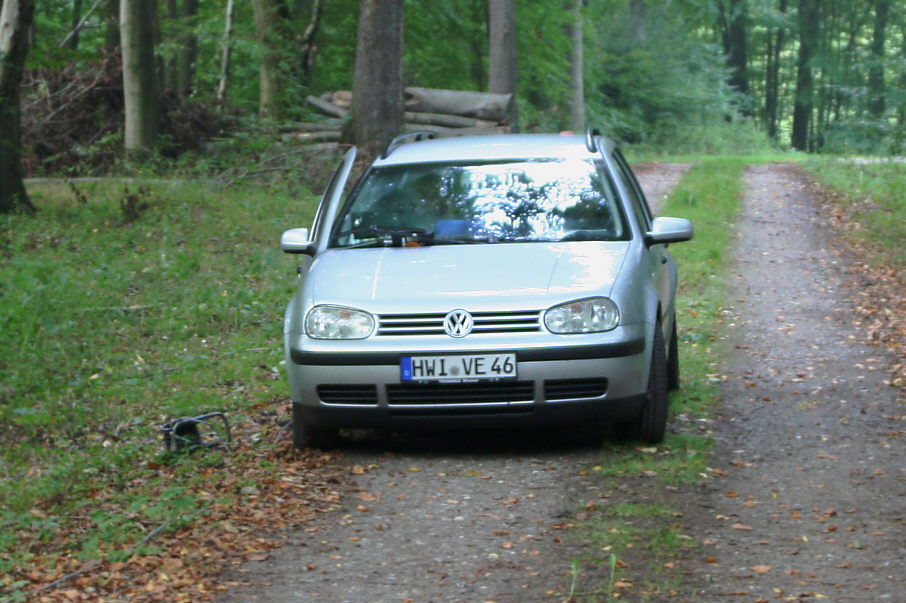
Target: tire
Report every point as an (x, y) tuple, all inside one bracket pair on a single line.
[(651, 424), (306, 435), (673, 368)]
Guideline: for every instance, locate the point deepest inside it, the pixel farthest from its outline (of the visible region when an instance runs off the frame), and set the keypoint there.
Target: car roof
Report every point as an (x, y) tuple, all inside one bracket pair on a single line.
[(493, 147)]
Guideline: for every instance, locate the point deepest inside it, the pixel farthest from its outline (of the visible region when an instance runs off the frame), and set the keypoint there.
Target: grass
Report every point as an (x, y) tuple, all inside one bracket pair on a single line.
[(122, 306), (872, 193), (709, 195)]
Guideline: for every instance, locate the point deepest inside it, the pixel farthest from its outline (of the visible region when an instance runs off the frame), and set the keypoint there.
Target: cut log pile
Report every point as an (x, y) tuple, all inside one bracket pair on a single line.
[(444, 112)]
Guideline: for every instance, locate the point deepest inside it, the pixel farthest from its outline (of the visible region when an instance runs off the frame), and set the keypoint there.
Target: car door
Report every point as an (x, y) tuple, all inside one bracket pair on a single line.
[(663, 268)]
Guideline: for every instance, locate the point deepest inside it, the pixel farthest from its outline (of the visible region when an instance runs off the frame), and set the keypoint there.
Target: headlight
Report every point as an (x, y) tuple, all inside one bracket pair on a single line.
[(584, 316), (337, 322)]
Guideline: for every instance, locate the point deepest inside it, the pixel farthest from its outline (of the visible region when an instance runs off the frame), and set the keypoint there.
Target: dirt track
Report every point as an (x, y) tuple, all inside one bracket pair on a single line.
[(809, 439), (809, 434)]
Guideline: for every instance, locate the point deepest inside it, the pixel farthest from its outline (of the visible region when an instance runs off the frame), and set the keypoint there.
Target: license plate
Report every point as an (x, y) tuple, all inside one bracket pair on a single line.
[(464, 367)]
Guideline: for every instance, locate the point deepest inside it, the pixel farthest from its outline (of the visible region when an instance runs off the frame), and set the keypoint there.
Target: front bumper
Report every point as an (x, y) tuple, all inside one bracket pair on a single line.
[(555, 385)]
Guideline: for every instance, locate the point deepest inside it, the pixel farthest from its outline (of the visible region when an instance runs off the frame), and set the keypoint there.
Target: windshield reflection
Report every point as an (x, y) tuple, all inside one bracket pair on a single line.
[(552, 200)]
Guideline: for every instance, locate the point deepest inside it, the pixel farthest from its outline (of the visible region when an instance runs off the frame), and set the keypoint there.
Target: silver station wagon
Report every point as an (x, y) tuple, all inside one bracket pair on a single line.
[(488, 281)]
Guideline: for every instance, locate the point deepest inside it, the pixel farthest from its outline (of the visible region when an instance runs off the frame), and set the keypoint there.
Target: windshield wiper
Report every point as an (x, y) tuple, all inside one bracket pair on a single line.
[(399, 234), (396, 233)]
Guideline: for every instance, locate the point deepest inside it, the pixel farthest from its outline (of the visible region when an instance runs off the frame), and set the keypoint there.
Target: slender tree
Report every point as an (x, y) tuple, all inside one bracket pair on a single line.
[(140, 83), (876, 91), (188, 48), (16, 17), (267, 26), (775, 41), (377, 88), (576, 63), (502, 51), (735, 38), (227, 43), (808, 41)]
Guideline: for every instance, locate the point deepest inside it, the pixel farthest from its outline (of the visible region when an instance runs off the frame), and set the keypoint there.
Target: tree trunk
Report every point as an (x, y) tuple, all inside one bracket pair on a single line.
[(267, 21), (502, 51), (142, 104), (170, 77), (736, 44), (772, 76), (112, 28), (638, 18), (16, 17), (377, 90), (808, 39), (225, 57), (876, 93), (76, 21), (576, 62), (307, 47), (188, 49)]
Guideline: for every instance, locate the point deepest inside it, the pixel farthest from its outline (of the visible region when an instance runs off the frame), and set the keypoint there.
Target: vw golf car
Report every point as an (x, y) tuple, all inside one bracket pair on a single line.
[(501, 280)]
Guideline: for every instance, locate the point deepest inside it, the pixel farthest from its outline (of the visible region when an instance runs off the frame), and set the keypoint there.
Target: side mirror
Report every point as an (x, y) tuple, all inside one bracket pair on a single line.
[(668, 230), (296, 241)]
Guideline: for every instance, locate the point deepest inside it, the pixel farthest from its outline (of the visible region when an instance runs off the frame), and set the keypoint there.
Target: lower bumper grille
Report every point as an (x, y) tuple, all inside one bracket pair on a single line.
[(348, 394), (500, 392), (573, 389)]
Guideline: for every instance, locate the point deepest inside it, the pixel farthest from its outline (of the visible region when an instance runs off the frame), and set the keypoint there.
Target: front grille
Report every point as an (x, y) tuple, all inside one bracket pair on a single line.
[(462, 394), (574, 389), (348, 394), (485, 322)]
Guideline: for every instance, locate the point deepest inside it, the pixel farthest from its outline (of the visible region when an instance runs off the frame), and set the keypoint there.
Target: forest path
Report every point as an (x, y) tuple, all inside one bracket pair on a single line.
[(812, 503)]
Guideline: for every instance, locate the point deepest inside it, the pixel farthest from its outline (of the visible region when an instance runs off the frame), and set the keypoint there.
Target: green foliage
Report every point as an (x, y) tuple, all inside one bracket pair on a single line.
[(651, 82), (116, 315), (872, 192)]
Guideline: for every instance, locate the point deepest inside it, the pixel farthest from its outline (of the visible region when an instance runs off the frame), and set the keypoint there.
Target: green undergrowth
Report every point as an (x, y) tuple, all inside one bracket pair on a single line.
[(123, 306), (872, 193), (648, 530)]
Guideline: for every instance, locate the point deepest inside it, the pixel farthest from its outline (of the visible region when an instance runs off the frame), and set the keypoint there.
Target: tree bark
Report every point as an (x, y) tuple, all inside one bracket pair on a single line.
[(502, 52), (772, 76), (76, 21), (808, 40), (877, 102), (307, 47), (225, 57), (574, 32), (736, 44), (188, 48), (16, 17), (112, 27), (377, 90), (140, 84), (267, 21)]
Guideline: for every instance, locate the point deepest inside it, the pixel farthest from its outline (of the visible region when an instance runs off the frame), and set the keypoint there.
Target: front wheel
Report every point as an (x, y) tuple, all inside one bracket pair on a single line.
[(651, 424)]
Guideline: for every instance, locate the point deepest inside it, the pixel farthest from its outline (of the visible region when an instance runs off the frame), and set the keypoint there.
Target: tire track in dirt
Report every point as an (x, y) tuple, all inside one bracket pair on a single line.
[(809, 435)]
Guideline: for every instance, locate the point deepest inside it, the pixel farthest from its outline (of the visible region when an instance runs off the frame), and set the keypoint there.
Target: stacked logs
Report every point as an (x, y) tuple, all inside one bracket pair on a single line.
[(444, 112)]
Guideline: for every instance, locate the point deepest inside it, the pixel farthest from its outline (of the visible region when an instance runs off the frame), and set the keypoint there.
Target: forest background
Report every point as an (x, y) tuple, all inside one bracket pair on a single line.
[(676, 75)]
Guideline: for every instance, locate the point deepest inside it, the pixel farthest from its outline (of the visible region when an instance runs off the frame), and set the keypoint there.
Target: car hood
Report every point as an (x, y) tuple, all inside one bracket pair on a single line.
[(440, 277)]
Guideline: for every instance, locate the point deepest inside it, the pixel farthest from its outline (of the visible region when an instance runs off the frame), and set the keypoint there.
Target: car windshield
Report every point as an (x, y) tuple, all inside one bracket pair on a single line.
[(500, 202)]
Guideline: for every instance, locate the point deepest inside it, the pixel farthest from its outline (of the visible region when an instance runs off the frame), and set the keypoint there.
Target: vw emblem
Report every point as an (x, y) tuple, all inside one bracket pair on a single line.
[(458, 323)]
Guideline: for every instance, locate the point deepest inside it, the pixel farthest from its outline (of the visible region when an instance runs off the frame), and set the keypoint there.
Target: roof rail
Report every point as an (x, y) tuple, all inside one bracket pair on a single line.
[(590, 142), (402, 138)]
